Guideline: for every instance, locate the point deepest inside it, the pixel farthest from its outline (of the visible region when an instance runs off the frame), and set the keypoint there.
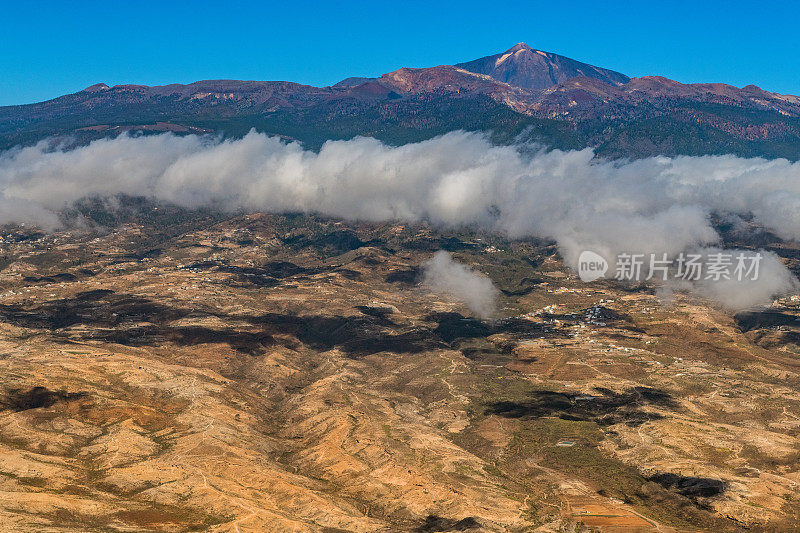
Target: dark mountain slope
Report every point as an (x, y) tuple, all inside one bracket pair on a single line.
[(522, 66), (553, 99)]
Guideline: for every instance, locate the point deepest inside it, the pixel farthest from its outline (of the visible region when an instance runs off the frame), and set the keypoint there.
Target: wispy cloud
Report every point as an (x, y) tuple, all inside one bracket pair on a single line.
[(444, 275)]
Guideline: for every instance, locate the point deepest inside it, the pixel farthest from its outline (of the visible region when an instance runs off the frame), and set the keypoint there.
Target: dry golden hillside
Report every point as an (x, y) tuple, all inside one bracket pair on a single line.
[(289, 373)]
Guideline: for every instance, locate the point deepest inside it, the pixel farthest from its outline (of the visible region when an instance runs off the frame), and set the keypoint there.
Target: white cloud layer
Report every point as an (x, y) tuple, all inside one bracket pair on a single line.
[(650, 205), (444, 275)]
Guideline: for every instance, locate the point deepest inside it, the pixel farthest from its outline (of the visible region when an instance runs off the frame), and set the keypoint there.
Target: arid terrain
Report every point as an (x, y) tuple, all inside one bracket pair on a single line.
[(170, 370)]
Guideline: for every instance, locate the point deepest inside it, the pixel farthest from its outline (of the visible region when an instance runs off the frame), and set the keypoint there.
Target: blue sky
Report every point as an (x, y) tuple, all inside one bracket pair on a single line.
[(52, 48)]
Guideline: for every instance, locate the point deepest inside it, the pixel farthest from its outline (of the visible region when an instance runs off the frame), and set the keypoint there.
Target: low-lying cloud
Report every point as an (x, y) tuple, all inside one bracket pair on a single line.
[(444, 275), (772, 278), (652, 205)]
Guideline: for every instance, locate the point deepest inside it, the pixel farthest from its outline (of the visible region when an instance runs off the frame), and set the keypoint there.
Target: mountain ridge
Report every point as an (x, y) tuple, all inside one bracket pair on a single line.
[(565, 103), (526, 67)]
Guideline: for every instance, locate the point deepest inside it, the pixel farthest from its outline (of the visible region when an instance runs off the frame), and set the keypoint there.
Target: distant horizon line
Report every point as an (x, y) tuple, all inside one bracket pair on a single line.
[(158, 84)]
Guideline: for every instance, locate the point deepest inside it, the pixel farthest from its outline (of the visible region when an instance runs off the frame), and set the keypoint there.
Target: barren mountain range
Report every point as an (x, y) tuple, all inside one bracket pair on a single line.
[(545, 97), (186, 371), (233, 343)]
